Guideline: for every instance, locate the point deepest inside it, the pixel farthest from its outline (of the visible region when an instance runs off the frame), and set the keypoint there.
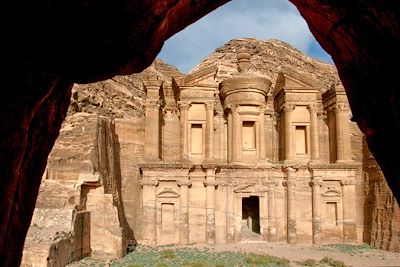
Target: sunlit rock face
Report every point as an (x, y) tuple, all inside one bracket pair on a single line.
[(52, 44)]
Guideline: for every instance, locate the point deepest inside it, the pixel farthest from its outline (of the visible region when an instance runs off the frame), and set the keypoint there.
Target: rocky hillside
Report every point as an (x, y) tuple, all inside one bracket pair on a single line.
[(268, 58), (93, 164), (121, 96)]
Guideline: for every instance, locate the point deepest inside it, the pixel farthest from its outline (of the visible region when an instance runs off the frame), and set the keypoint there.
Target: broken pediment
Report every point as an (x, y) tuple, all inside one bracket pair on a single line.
[(246, 188), (290, 79), (204, 76)]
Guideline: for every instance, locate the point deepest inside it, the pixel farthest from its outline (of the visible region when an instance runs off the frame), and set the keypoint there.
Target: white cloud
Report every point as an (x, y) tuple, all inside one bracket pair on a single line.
[(261, 19)]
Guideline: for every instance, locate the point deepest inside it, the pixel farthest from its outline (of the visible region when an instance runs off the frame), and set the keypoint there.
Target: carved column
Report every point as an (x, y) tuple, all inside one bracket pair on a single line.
[(349, 207), (230, 213), (316, 210), (210, 131), (184, 146), (262, 134), (236, 136), (314, 132), (229, 135), (184, 211), (149, 211), (210, 184), (222, 143), (152, 130), (269, 137), (288, 110), (272, 237), (343, 143), (290, 183)]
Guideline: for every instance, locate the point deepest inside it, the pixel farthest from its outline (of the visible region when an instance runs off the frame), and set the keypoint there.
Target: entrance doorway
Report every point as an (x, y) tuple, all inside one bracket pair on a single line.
[(250, 218)]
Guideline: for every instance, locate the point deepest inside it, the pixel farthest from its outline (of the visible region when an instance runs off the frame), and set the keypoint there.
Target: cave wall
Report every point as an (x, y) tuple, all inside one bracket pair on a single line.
[(42, 49), (382, 212)]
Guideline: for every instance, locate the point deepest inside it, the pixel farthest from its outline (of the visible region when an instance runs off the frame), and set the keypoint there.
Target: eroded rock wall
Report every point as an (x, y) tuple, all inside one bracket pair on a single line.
[(79, 211), (382, 212)]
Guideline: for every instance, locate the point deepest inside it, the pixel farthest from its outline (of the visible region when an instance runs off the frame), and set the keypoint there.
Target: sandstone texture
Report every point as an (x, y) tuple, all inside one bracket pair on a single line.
[(97, 165), (91, 41)]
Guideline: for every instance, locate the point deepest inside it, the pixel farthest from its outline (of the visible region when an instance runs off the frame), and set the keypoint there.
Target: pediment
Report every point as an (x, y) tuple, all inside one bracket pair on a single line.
[(290, 79), (204, 76), (246, 188), (168, 193)]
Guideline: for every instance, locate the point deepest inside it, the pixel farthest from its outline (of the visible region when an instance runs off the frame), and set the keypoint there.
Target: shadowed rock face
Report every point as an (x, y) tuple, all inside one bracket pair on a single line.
[(52, 44)]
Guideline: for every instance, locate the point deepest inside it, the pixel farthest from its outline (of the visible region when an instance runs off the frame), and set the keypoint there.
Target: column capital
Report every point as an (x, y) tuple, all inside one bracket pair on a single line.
[(341, 107), (289, 183), (288, 107), (312, 108), (316, 182), (149, 181), (210, 183), (232, 106), (183, 105), (209, 105), (153, 103), (290, 170), (350, 181), (184, 182)]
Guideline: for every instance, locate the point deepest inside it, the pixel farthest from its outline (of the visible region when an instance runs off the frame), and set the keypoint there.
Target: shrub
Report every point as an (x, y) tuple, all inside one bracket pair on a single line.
[(309, 262), (168, 254), (332, 262)]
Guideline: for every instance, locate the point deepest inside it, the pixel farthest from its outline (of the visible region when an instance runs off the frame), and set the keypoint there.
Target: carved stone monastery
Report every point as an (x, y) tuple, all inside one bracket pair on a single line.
[(246, 159)]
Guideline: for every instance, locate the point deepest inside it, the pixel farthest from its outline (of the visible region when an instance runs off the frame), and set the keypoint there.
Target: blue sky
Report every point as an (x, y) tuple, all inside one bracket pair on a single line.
[(261, 19)]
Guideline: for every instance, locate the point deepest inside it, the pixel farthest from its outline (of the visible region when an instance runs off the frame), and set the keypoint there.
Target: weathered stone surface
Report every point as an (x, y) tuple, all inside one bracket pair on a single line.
[(382, 212), (362, 37)]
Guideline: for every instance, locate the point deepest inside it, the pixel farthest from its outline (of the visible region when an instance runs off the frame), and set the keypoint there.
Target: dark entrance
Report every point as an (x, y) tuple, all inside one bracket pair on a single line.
[(250, 216)]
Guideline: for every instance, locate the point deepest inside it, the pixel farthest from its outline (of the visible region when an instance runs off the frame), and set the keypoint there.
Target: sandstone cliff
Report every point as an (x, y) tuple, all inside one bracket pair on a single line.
[(94, 161), (91, 173)]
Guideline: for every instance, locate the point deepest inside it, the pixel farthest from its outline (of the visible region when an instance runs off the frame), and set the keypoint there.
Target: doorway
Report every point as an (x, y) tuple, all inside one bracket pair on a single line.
[(250, 217)]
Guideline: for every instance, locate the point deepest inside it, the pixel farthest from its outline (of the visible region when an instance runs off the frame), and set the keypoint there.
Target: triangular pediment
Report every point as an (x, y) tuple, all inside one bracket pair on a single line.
[(290, 79), (204, 76)]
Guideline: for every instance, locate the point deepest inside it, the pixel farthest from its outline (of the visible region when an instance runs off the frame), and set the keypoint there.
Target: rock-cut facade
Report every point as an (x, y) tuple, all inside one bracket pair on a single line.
[(246, 158)]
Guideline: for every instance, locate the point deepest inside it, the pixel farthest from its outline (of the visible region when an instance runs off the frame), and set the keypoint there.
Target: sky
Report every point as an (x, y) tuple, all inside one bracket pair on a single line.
[(261, 19)]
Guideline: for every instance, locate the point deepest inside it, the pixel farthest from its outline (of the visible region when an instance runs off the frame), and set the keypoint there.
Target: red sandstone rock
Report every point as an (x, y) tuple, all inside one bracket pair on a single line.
[(51, 44)]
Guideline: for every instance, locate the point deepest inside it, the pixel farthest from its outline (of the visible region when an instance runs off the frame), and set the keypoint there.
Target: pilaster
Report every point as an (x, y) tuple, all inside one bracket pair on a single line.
[(290, 183), (184, 211), (152, 119), (349, 206), (316, 210), (262, 134), (272, 235), (210, 184), (149, 211), (184, 146), (209, 131), (314, 132), (343, 143)]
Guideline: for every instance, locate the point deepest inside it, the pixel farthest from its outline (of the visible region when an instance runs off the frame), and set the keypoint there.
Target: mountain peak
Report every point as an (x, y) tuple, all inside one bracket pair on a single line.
[(268, 58)]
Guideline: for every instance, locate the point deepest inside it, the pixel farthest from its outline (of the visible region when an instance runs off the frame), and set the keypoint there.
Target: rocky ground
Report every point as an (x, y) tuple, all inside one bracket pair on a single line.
[(254, 254)]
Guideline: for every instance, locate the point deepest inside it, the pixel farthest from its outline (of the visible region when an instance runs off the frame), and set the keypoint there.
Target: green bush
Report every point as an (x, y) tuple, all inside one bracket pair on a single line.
[(308, 262), (168, 254), (332, 262), (266, 260)]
